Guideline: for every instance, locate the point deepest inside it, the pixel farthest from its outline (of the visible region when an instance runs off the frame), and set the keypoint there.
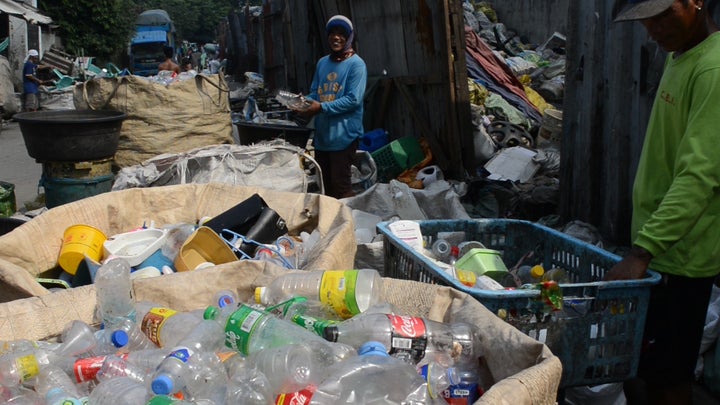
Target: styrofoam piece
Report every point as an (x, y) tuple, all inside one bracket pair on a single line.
[(135, 246)]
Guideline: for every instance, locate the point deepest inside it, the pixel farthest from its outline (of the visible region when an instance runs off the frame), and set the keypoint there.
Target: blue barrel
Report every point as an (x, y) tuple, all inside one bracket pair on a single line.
[(62, 190)]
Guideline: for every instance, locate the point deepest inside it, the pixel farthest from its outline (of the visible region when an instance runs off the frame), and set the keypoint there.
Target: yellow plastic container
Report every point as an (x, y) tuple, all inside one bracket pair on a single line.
[(80, 241), (202, 247)]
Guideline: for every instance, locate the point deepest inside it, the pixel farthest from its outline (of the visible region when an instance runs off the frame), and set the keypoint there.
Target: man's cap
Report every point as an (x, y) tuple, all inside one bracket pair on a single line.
[(33, 52), (339, 21), (642, 9)]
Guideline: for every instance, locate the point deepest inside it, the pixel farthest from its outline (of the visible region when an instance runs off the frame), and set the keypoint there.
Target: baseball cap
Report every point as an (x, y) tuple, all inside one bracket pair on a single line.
[(339, 21), (642, 9), (33, 52)]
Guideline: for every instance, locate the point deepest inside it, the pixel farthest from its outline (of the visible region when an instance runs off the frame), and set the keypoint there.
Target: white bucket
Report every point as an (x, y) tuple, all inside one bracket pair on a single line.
[(429, 174), (551, 128)]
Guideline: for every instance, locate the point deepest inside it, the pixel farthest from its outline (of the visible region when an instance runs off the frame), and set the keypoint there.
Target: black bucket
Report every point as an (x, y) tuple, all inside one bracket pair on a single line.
[(71, 135)]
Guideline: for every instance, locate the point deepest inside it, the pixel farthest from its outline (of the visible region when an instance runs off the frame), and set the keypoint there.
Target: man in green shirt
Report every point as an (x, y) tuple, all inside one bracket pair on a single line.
[(676, 197)]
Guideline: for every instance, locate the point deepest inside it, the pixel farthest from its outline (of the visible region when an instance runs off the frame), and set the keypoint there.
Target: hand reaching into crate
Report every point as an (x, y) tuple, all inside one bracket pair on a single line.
[(631, 267)]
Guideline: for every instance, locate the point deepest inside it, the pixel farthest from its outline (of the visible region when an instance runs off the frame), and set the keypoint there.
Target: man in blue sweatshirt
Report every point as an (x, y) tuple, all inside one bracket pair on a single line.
[(336, 97)]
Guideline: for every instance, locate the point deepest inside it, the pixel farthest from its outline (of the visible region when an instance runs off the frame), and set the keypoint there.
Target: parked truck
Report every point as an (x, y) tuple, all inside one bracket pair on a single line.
[(154, 31)]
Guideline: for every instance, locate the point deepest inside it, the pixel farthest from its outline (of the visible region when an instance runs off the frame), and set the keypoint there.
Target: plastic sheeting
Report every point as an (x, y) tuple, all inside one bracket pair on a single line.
[(274, 165)]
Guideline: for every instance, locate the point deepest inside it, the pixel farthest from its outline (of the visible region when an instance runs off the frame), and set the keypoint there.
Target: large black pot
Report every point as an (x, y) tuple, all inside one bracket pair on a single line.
[(71, 135)]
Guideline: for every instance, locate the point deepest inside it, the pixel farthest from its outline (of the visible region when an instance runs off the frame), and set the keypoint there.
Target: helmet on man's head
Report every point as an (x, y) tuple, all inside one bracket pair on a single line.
[(340, 21), (33, 52)]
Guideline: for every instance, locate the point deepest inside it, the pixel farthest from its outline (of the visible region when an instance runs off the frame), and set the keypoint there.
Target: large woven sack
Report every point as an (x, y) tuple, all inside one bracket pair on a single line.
[(524, 371), (184, 115), (34, 247)]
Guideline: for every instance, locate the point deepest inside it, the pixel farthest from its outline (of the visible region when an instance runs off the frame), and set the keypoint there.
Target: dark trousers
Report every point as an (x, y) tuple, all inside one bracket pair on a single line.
[(336, 174)]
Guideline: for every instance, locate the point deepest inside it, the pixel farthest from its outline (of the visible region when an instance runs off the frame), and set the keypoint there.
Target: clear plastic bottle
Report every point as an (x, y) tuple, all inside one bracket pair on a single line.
[(530, 274), (23, 366), (137, 340), (173, 373), (249, 330), (110, 341), (116, 366), (438, 377), (557, 274), (164, 327), (51, 377), (208, 381), (86, 369), (114, 291), (58, 396), (371, 377), (119, 391), (76, 338), (408, 338), (347, 292), (288, 368), (441, 250)]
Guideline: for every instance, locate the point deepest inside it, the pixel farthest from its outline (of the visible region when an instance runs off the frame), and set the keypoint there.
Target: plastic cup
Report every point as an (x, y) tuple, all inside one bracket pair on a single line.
[(80, 241)]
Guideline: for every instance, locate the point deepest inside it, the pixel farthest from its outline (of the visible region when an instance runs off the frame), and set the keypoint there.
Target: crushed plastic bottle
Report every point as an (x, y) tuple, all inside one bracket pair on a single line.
[(164, 327)]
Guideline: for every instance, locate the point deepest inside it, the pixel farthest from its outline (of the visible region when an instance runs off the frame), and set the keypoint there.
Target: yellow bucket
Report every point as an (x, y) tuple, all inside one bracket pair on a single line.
[(80, 241)]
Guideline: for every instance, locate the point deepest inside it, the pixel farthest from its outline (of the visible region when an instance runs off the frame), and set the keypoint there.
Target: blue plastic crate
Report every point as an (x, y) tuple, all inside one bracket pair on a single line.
[(597, 345)]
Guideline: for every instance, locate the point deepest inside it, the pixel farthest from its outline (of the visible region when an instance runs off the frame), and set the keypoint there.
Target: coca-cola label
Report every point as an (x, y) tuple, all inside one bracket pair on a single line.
[(85, 369), (409, 335), (240, 326), (301, 397), (462, 394), (153, 322)]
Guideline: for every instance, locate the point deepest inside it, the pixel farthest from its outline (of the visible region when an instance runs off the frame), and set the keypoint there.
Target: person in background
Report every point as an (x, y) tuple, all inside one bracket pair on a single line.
[(676, 197), (336, 96), (31, 82), (169, 64)]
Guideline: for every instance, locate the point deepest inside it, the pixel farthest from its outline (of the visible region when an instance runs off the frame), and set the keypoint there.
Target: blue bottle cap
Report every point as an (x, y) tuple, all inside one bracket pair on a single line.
[(373, 348), (119, 338), (162, 385)]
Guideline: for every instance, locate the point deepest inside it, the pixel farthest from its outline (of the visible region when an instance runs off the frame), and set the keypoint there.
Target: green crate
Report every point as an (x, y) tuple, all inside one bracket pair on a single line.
[(396, 157), (599, 345)]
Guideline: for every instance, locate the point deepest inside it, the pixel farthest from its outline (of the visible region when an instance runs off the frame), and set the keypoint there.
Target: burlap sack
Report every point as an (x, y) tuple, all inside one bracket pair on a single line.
[(34, 247), (524, 371), (161, 119)]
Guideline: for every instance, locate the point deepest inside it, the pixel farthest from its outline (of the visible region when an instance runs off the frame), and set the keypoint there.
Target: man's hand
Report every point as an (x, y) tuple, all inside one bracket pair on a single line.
[(632, 267), (314, 109)]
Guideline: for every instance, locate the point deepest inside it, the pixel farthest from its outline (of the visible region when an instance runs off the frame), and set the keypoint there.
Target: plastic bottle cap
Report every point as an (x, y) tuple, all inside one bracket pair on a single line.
[(259, 291), (373, 348), (537, 271), (119, 338), (53, 391), (211, 312), (225, 300), (162, 385)]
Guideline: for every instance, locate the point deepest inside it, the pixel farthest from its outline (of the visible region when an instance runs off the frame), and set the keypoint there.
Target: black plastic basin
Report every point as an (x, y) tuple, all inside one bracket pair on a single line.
[(71, 135)]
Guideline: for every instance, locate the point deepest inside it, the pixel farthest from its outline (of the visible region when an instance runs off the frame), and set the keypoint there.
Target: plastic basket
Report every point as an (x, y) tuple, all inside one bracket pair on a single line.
[(397, 156), (598, 340)]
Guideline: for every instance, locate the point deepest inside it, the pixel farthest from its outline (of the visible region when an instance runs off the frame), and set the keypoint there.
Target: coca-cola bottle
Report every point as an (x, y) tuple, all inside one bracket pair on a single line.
[(406, 337)]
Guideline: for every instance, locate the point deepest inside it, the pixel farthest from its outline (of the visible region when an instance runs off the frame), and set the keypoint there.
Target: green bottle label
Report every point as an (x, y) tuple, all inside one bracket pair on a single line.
[(240, 326)]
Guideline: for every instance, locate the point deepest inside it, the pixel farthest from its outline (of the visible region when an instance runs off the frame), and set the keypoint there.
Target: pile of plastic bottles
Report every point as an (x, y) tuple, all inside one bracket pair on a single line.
[(320, 337)]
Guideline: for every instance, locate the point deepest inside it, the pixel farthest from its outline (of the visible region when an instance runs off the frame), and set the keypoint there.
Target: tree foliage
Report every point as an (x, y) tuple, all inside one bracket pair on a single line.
[(98, 28), (104, 28)]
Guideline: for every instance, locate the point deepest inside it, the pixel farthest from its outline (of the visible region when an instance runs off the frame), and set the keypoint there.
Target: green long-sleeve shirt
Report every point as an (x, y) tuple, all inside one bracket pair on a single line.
[(676, 195)]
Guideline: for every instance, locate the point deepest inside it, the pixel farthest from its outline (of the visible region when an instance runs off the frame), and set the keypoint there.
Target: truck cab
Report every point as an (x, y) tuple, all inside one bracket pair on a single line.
[(154, 31)]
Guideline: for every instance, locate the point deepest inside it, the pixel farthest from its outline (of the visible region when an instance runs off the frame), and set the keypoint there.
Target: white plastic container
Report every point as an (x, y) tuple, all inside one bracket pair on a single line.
[(135, 246)]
